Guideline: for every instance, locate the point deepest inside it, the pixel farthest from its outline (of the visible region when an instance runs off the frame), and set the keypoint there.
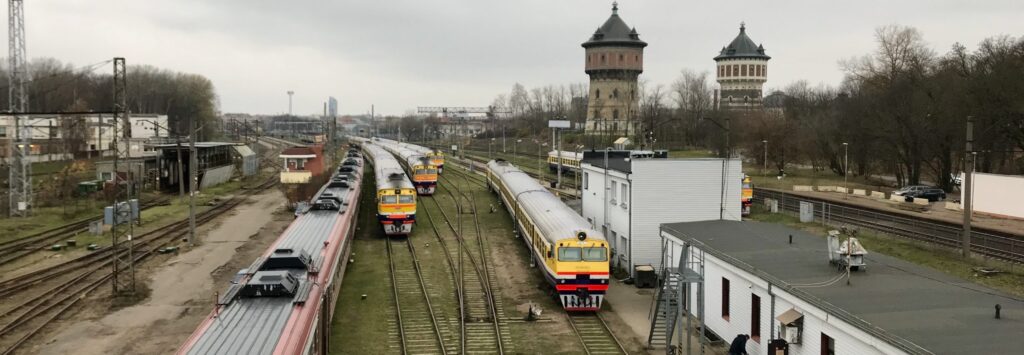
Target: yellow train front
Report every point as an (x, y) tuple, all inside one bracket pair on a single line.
[(747, 195), (573, 257), (396, 208), (437, 158), (424, 175)]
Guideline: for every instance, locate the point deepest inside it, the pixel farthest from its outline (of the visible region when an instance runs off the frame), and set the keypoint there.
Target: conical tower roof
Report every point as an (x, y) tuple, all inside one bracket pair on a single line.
[(742, 47), (615, 32)]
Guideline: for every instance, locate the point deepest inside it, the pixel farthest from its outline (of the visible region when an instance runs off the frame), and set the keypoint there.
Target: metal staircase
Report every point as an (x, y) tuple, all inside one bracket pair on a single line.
[(666, 308), (675, 284)]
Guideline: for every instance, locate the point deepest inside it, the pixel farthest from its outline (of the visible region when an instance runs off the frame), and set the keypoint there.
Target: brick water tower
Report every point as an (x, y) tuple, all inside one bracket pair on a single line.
[(614, 61)]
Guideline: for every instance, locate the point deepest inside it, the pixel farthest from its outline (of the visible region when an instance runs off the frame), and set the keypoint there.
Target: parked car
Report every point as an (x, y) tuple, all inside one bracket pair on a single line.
[(910, 189), (931, 193)]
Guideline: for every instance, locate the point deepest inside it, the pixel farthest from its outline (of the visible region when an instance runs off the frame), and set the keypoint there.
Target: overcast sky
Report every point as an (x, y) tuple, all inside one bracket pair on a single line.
[(399, 54)]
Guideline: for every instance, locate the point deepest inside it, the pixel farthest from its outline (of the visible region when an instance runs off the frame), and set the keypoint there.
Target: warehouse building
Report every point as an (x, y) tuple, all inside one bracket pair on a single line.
[(776, 283), (630, 196)]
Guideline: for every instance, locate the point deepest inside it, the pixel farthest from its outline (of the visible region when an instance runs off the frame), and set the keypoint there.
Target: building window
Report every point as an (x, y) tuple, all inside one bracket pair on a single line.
[(588, 59), (755, 318), (735, 70), (586, 180), (597, 93), (602, 59), (765, 71), (743, 70), (828, 345), (725, 298), (615, 114), (615, 93), (622, 58), (625, 193), (3, 132), (613, 193)]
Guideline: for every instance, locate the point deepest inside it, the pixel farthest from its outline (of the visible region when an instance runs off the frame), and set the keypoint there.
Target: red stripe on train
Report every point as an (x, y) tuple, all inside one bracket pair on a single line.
[(577, 286), (584, 273)]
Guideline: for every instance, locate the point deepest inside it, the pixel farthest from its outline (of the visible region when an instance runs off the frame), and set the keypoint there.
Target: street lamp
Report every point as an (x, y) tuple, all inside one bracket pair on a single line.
[(846, 168), (764, 171), (515, 148)]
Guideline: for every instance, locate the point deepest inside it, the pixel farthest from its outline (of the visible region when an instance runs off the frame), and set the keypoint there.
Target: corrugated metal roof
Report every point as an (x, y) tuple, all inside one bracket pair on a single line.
[(255, 325)]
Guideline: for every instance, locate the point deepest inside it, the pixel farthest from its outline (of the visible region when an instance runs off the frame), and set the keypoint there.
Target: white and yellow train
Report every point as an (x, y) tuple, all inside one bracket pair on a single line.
[(572, 256), (396, 195), (416, 164)]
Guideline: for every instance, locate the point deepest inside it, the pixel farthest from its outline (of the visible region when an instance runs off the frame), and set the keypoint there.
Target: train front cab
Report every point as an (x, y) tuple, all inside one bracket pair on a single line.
[(437, 158), (747, 195), (396, 210), (581, 272), (424, 177)]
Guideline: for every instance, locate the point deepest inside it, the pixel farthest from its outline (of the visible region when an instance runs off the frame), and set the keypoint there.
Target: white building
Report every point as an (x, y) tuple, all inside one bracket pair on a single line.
[(642, 193), (773, 282)]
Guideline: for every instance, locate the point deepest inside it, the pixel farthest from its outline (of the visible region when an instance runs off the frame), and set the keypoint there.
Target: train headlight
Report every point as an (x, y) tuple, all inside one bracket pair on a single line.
[(562, 281), (581, 236)]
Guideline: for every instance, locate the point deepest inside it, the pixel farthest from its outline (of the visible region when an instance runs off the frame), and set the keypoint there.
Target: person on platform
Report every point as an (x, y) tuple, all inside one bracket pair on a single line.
[(739, 345)]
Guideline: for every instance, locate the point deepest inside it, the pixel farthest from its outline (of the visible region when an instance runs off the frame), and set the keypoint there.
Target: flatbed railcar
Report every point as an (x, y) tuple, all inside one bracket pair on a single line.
[(417, 165), (572, 256), (396, 195), (284, 301)]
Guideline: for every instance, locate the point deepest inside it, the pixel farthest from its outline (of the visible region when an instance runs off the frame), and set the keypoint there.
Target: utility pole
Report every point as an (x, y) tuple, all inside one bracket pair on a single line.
[(192, 182), (965, 190), (121, 236), (20, 179)]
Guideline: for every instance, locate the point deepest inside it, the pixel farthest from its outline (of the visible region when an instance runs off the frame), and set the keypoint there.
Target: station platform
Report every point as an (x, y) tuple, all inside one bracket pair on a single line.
[(633, 306)]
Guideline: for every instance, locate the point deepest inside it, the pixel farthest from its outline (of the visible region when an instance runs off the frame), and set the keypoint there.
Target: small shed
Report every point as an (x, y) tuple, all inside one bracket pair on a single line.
[(246, 160)]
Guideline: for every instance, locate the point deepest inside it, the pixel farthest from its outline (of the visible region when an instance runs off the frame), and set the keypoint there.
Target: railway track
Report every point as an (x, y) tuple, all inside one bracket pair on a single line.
[(23, 246), (65, 284), (418, 327), (594, 334), (481, 310), (998, 246)]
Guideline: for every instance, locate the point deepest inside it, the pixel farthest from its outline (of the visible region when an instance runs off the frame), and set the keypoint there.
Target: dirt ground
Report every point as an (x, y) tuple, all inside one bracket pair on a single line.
[(181, 288)]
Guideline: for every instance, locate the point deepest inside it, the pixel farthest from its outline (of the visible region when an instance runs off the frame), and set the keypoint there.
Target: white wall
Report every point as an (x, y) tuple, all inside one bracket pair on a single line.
[(848, 339), (998, 194), (680, 190), (660, 191)]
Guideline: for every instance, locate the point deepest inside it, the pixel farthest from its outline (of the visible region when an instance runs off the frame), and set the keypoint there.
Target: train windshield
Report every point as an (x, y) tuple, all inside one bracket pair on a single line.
[(569, 254), (426, 171), (595, 254), (405, 199), (389, 199)]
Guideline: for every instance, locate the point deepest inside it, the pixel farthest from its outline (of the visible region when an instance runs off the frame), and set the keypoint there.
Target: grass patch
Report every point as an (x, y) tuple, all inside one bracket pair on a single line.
[(812, 178), (942, 259)]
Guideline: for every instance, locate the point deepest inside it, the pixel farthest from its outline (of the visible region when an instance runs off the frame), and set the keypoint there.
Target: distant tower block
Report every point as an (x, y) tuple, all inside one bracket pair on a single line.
[(742, 71), (615, 58)]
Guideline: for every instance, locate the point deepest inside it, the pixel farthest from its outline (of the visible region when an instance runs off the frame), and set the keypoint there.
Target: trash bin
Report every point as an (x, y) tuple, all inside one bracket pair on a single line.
[(645, 276)]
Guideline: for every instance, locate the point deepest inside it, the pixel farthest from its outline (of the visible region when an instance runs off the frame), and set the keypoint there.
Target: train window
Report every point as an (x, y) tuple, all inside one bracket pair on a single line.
[(389, 199), (569, 254), (595, 254), (405, 199)]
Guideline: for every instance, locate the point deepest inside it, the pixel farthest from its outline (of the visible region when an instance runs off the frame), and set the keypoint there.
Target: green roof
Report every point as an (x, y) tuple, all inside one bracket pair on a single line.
[(615, 32), (742, 47)]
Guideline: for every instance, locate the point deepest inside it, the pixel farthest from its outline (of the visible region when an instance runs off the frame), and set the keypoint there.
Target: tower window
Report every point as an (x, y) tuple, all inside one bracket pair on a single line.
[(588, 58), (622, 58), (597, 93), (615, 93), (743, 70), (602, 59), (735, 70), (615, 114)]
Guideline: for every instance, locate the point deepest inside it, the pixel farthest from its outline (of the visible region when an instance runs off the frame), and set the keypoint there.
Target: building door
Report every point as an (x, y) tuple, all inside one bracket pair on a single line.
[(615, 252), (624, 251)]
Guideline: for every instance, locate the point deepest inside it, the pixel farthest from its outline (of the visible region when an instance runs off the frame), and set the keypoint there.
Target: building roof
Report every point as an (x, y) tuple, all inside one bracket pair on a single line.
[(742, 47), (184, 145), (298, 151), (615, 32), (907, 305)]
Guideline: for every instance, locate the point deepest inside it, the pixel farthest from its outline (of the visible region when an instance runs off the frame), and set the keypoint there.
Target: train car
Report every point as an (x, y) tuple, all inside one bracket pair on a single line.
[(416, 165), (436, 156), (570, 160), (396, 195), (284, 301), (746, 195), (572, 255)]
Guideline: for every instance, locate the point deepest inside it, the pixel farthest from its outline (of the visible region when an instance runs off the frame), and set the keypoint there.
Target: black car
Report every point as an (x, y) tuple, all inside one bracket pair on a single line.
[(932, 194)]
